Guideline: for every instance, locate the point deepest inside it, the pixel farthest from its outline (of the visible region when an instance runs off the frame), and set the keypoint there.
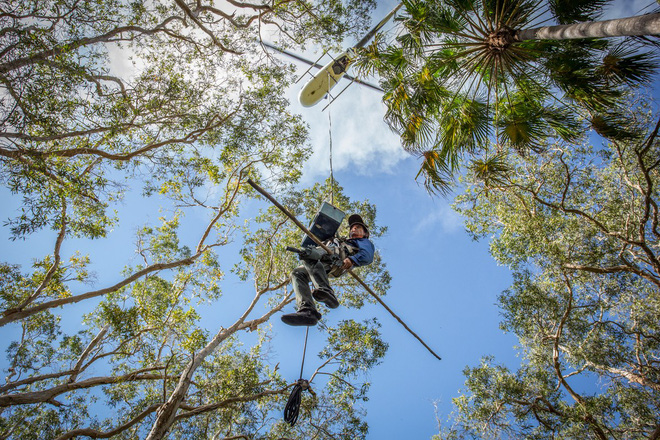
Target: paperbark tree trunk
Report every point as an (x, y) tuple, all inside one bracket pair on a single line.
[(648, 24)]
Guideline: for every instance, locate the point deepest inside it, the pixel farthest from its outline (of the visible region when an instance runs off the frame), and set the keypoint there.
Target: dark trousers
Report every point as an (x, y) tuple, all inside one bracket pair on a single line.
[(314, 272)]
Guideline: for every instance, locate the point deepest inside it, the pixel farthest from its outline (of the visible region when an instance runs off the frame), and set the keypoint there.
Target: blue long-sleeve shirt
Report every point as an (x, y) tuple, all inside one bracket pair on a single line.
[(365, 254)]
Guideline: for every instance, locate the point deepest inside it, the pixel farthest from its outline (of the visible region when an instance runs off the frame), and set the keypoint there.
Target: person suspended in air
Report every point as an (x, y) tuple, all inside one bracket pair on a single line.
[(318, 265)]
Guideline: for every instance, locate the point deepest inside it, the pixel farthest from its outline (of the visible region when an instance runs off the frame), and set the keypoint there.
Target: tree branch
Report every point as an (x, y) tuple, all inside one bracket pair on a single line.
[(613, 269), (555, 357), (15, 314), (167, 413), (48, 395), (227, 402), (95, 433), (193, 17), (189, 138), (82, 42), (86, 352), (56, 262)]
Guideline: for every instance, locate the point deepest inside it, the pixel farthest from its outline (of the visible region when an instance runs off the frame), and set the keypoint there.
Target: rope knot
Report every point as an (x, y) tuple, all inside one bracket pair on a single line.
[(303, 384)]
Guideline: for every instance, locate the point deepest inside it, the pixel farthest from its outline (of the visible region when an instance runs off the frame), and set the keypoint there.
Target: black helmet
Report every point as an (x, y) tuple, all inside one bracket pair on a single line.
[(355, 219)]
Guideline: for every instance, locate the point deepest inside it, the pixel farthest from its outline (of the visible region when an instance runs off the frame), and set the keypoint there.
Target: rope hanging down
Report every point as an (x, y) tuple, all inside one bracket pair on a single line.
[(325, 248), (332, 176), (292, 407)]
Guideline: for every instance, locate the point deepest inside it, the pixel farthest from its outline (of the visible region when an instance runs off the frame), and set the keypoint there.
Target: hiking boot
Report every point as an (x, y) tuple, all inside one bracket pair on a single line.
[(326, 296), (302, 317)]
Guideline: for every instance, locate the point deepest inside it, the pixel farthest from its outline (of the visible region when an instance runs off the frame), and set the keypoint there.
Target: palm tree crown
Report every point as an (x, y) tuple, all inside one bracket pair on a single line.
[(459, 72)]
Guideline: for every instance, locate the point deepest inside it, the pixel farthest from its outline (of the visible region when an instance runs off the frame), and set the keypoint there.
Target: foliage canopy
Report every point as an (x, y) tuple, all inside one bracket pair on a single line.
[(169, 105), (458, 74), (578, 225)]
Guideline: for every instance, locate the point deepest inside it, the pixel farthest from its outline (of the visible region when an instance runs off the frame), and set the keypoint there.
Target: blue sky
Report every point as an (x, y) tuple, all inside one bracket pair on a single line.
[(444, 285)]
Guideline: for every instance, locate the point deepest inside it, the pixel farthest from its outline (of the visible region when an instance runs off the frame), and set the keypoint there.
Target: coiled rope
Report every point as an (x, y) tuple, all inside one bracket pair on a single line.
[(292, 408)]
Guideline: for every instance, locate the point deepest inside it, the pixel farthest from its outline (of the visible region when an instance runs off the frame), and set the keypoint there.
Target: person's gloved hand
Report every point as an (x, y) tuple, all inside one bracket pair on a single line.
[(348, 263)]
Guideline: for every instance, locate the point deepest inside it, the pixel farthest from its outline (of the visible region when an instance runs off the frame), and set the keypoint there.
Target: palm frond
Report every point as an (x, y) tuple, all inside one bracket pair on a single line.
[(509, 13), (444, 62), (526, 119), (626, 65), (464, 124), (572, 67), (522, 133), (437, 174), (415, 22), (394, 58), (614, 126), (491, 169), (576, 11), (369, 59), (564, 123), (447, 21)]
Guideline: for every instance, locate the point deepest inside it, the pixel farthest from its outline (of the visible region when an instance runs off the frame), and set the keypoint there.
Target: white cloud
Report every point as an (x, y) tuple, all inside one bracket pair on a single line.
[(121, 64), (443, 218), (361, 140)]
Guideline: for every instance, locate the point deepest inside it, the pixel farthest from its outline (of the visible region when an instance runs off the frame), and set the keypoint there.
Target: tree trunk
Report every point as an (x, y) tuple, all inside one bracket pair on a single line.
[(166, 414), (648, 24)]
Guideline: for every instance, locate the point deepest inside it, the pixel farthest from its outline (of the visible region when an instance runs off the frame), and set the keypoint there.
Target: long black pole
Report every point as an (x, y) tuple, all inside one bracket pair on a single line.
[(318, 242)]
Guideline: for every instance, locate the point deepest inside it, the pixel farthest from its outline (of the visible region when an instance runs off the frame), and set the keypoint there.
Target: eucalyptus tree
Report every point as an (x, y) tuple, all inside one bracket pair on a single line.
[(144, 366), (164, 104), (578, 226), (89, 86), (168, 94), (462, 71)]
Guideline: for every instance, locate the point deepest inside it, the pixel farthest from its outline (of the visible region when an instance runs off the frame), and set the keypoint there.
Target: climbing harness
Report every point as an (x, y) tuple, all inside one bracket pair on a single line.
[(340, 250), (292, 407)]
